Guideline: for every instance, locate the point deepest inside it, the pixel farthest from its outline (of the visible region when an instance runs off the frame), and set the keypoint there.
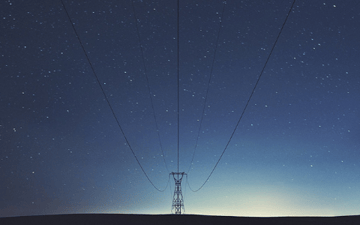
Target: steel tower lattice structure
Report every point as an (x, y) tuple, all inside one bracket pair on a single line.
[(178, 201)]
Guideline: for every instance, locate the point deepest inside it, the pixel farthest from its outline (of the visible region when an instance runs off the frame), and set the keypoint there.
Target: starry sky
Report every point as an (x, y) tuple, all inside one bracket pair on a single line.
[(295, 151)]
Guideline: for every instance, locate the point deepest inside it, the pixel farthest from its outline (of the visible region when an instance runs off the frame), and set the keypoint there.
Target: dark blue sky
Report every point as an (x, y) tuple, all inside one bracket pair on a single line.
[(295, 151)]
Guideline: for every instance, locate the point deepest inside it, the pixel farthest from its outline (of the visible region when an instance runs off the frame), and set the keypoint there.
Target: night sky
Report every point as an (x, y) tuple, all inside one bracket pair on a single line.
[(295, 152)]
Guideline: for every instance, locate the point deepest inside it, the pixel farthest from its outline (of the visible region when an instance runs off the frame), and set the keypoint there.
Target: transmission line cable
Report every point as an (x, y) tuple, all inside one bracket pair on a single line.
[(106, 98), (247, 103), (208, 85), (178, 83), (148, 84)]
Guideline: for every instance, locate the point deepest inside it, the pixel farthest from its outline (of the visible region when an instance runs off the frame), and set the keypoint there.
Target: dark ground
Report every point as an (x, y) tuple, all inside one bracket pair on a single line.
[(110, 219)]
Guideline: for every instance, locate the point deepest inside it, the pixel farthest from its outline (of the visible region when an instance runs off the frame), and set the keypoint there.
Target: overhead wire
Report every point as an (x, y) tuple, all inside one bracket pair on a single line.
[(208, 86), (148, 85), (107, 100), (247, 103), (178, 82)]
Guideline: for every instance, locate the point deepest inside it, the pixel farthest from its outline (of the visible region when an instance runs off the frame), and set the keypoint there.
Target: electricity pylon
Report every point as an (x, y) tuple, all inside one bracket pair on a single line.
[(178, 201)]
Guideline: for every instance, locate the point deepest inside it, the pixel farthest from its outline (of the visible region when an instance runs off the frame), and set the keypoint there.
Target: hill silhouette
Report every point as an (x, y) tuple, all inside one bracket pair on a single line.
[(115, 219)]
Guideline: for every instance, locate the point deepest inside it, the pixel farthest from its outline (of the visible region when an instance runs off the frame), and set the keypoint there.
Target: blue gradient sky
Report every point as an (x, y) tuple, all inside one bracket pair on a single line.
[(294, 153)]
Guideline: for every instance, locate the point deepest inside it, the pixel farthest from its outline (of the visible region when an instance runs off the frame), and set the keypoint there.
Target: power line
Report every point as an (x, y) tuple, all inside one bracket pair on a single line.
[(178, 84), (148, 84), (107, 100), (208, 85), (247, 103)]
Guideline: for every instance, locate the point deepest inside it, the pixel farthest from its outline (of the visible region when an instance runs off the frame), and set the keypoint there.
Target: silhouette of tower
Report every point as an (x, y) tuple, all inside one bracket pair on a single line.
[(178, 201)]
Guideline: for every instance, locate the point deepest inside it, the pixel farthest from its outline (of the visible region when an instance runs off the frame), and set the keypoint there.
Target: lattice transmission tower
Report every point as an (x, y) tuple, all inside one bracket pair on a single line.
[(178, 200)]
